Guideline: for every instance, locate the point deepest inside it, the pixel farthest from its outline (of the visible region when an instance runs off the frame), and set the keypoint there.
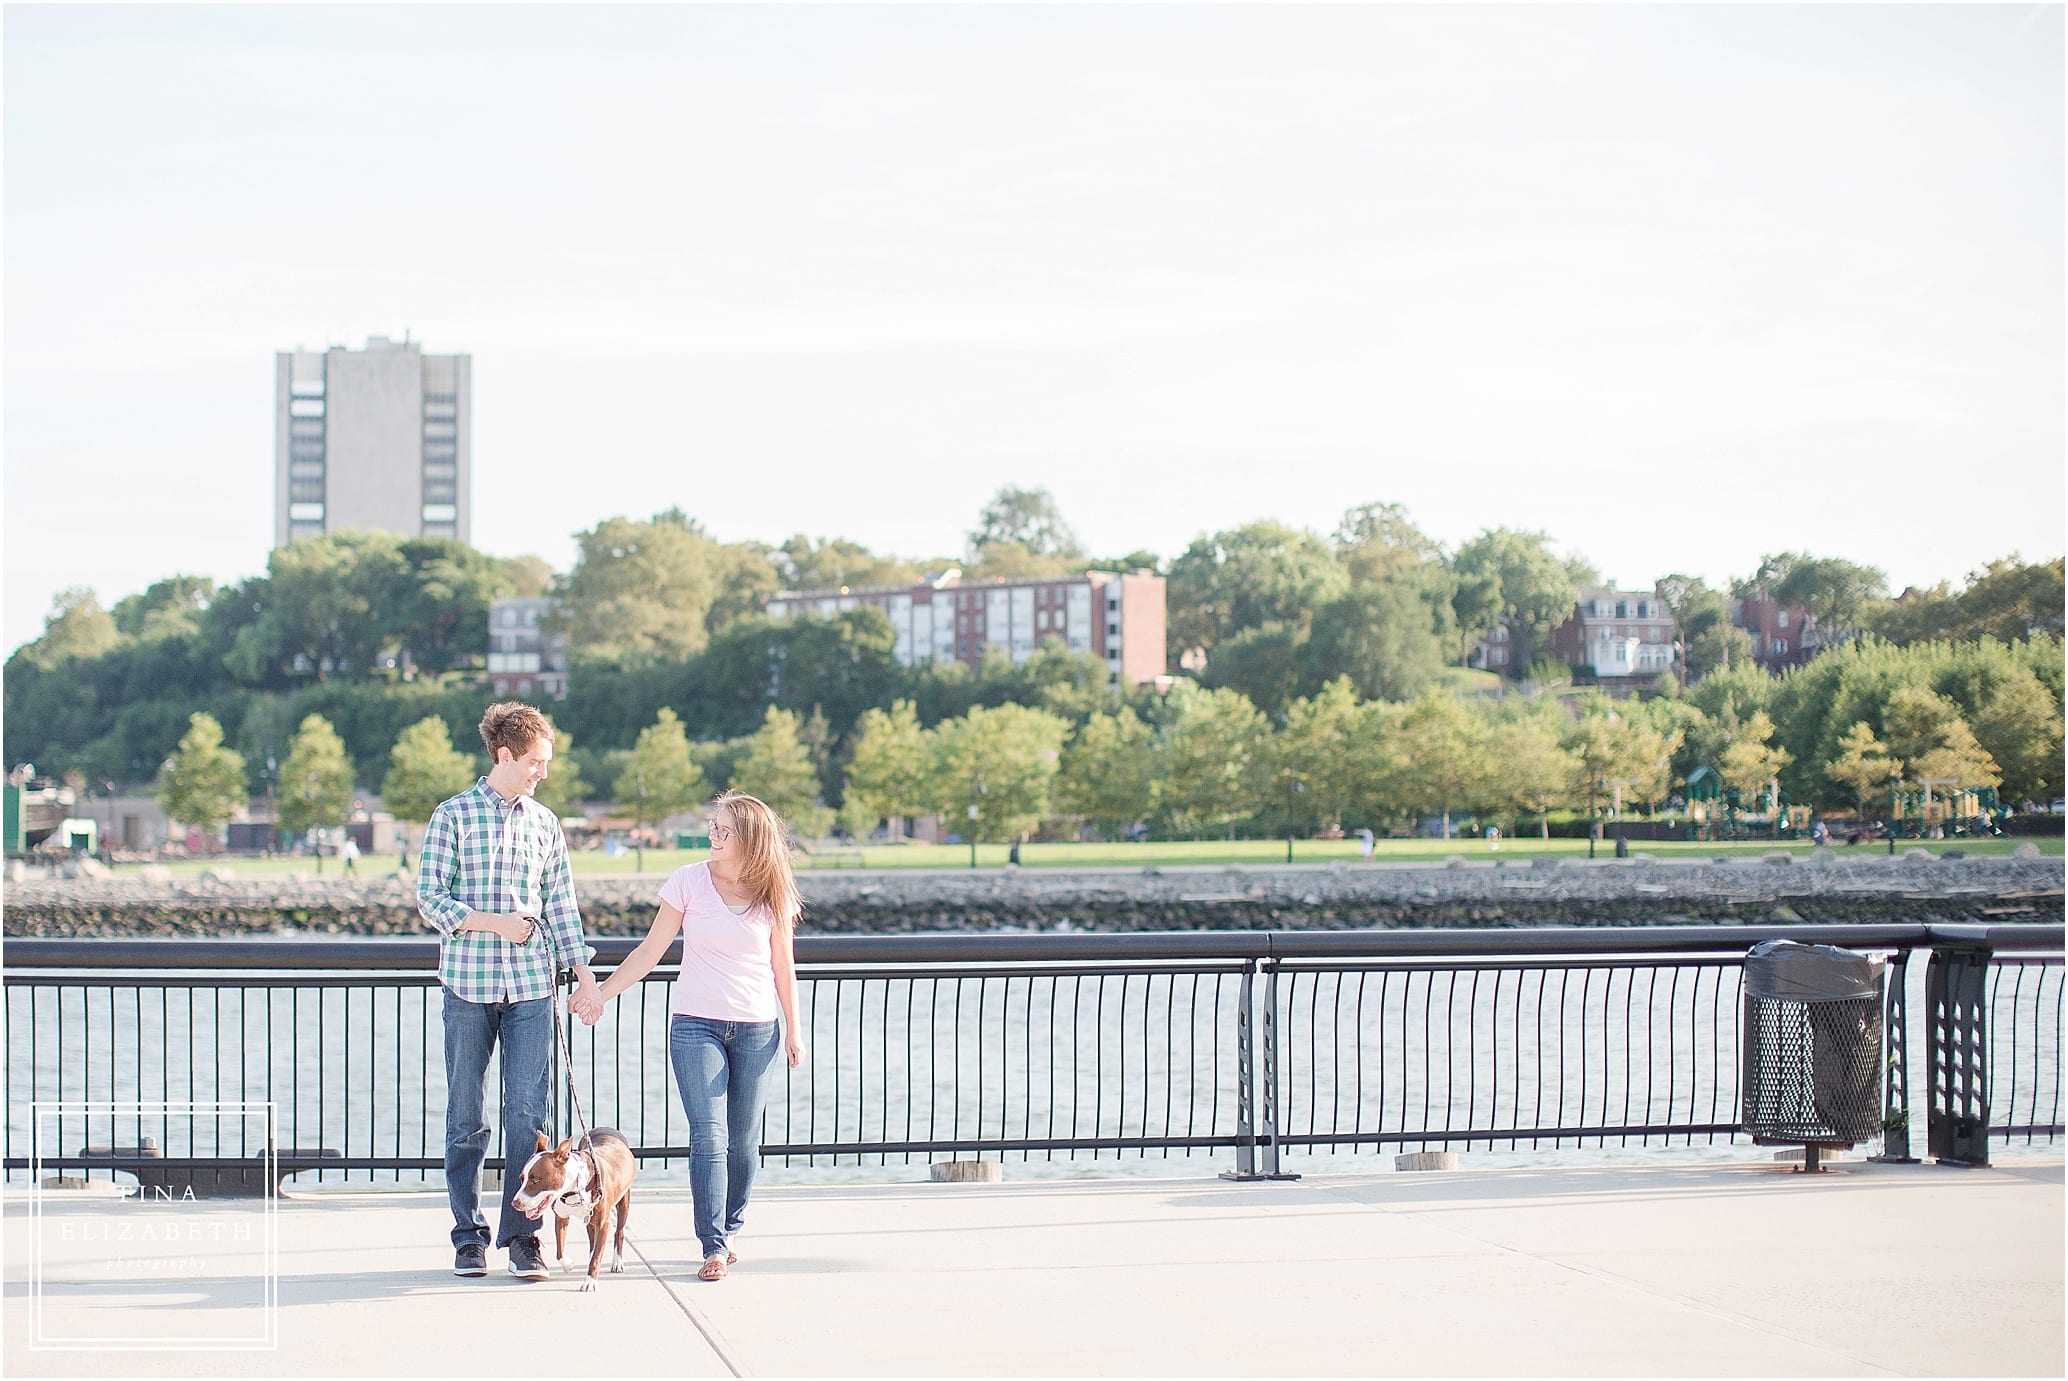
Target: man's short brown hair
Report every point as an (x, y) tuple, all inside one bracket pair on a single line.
[(514, 725)]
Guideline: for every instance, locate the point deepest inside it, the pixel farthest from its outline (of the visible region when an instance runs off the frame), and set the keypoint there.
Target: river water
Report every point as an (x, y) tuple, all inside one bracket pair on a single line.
[(1398, 1053)]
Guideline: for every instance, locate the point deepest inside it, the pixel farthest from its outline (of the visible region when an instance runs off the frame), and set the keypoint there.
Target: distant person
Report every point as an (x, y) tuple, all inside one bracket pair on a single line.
[(1366, 843), (494, 883), (1820, 834), (350, 853), (1493, 838), (735, 912)]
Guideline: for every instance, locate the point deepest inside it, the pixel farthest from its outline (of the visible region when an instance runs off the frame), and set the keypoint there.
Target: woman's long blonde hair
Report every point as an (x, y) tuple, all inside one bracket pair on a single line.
[(764, 844)]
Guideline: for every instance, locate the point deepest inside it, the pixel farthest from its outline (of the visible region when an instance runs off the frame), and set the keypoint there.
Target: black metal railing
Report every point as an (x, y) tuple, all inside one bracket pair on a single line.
[(1247, 1046)]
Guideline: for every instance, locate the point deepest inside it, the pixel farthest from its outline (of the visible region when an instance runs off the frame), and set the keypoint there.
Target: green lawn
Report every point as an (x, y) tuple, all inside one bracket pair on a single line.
[(1220, 853)]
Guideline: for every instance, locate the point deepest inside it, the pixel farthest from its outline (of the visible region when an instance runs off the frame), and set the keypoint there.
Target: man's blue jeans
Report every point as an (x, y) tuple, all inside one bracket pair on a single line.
[(472, 1030), (721, 1069)]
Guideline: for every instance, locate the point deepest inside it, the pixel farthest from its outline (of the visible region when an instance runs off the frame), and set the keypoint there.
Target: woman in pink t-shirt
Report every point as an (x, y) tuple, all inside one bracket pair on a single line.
[(735, 915)]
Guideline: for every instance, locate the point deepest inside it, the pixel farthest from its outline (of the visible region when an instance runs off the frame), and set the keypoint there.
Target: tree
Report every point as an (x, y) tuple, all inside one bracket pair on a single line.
[(1749, 764), (1381, 635), (424, 769), (1213, 751), (565, 786), (2020, 728), (1956, 758), (1003, 761), (203, 782), (833, 563), (1375, 539), (1834, 592), (1864, 766), (1609, 747), (891, 757), (777, 767), (1915, 721), (1442, 760), (2007, 600), (1695, 608), (1475, 608), (76, 627), (526, 577), (332, 601), (1317, 748), (169, 608), (1533, 772), (1023, 518), (1255, 574), (657, 778), (1108, 773), (1537, 591), (446, 589), (315, 780), (642, 590), (1717, 646), (1265, 663)]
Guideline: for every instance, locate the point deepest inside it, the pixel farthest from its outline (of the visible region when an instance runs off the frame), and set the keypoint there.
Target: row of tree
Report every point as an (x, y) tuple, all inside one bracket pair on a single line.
[(1843, 732), (374, 633)]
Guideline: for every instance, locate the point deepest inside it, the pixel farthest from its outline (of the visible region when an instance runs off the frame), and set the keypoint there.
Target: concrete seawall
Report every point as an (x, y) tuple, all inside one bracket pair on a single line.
[(1822, 887)]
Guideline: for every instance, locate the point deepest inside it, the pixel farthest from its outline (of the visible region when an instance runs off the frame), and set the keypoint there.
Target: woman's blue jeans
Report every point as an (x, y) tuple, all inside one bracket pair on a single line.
[(721, 1069)]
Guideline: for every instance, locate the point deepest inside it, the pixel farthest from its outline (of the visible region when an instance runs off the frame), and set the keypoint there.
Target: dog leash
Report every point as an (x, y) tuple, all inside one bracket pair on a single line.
[(574, 1094)]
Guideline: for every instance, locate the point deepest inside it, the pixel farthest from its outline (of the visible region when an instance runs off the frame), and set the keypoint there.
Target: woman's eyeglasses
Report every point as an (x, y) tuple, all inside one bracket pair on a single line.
[(721, 833)]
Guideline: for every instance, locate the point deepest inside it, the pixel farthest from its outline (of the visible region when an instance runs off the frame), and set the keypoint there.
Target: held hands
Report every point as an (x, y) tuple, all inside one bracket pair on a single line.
[(587, 1003)]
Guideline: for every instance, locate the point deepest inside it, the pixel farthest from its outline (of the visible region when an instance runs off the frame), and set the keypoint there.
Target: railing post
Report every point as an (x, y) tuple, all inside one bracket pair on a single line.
[(1245, 1083), (1956, 987), (1273, 1170), (1895, 1107)]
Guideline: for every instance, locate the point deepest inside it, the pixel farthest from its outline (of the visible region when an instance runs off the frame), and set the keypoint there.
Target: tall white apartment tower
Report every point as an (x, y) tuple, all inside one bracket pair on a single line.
[(376, 438)]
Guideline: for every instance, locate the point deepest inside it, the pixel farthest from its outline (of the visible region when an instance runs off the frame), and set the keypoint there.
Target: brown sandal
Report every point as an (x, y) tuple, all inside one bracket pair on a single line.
[(713, 1269)]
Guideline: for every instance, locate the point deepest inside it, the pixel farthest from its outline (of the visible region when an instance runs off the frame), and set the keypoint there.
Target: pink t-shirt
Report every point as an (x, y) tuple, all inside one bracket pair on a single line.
[(727, 972)]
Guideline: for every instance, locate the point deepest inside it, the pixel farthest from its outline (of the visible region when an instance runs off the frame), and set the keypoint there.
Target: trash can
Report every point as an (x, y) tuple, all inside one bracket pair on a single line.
[(1811, 1047)]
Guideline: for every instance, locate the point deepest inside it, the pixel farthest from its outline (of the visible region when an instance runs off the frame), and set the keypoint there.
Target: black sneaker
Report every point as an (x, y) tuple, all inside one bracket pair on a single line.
[(525, 1261), (470, 1260)]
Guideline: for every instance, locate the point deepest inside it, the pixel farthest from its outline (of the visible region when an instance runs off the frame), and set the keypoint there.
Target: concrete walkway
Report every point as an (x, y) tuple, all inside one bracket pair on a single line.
[(1710, 1270)]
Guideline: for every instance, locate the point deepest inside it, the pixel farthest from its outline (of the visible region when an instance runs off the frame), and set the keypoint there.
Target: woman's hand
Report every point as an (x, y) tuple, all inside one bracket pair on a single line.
[(793, 1046)]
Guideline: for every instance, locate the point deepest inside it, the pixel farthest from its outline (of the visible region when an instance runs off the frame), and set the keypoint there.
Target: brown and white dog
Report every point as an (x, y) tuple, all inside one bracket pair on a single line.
[(590, 1182)]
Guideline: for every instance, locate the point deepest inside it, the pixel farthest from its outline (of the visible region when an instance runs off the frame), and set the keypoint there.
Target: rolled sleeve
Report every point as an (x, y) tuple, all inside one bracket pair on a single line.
[(438, 866)]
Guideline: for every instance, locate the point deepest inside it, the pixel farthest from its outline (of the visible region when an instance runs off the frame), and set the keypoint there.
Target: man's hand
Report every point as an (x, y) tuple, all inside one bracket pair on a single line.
[(587, 1002), (518, 930)]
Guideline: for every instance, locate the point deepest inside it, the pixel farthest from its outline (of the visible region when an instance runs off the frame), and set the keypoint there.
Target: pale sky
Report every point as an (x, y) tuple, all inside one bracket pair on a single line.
[(1680, 286)]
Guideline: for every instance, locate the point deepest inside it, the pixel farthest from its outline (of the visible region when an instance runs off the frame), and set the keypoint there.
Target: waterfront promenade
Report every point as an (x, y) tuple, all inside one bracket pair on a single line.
[(1741, 1269)]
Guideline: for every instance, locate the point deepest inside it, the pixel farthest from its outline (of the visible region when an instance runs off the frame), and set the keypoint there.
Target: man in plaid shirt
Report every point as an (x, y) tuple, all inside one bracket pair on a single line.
[(493, 881)]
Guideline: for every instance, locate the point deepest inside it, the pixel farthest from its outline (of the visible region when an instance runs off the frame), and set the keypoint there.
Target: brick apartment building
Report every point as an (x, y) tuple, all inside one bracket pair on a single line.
[(1116, 617), (1783, 635), (1617, 634)]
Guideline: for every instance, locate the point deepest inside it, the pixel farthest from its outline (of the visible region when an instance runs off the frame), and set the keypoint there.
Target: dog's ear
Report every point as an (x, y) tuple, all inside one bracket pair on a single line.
[(543, 1143), (564, 1147)]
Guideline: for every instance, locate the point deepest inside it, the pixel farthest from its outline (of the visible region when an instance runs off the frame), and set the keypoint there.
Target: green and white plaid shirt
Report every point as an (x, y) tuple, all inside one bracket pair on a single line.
[(482, 853)]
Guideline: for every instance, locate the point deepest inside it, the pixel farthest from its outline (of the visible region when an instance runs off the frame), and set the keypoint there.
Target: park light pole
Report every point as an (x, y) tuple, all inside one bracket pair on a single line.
[(1615, 811), (638, 843), (976, 789), (1293, 785)]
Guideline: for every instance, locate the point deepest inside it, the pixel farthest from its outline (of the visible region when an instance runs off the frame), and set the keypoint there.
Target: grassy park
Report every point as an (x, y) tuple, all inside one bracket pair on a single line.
[(1165, 854)]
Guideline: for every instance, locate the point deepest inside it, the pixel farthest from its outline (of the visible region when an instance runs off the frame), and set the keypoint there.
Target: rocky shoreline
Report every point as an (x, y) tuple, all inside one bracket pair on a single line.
[(1822, 887)]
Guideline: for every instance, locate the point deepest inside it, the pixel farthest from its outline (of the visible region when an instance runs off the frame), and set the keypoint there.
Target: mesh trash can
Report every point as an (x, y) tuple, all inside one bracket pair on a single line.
[(1811, 1046)]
